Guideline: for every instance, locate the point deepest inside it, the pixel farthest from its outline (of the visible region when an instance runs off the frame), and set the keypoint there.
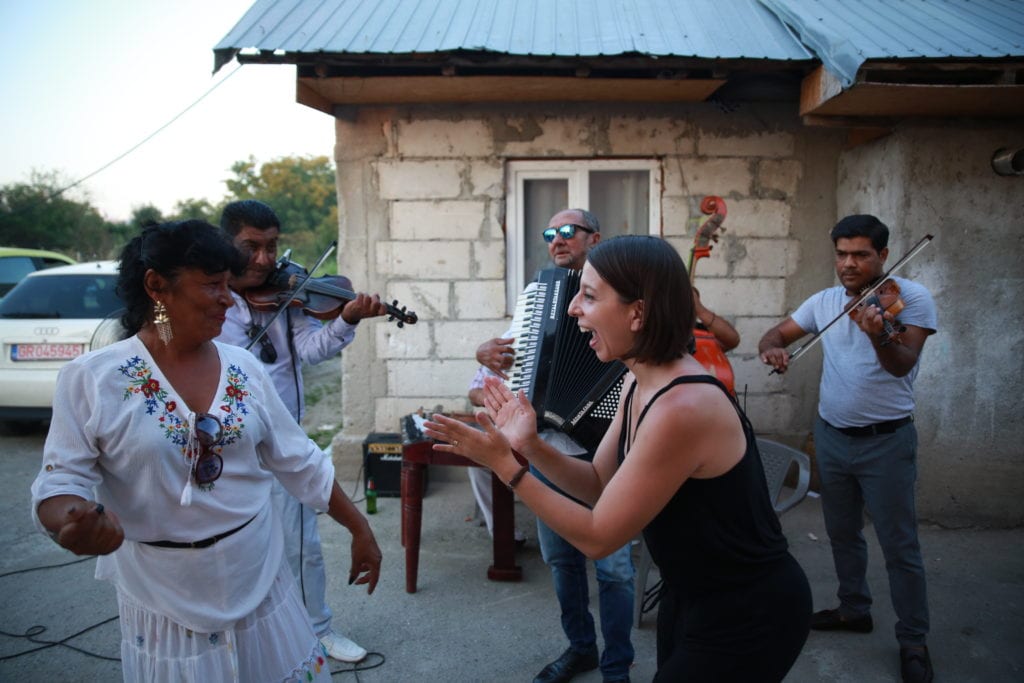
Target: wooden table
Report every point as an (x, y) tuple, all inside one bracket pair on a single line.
[(416, 456)]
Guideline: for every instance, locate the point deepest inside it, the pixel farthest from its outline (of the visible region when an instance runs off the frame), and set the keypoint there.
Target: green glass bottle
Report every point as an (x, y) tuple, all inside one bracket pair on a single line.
[(371, 497)]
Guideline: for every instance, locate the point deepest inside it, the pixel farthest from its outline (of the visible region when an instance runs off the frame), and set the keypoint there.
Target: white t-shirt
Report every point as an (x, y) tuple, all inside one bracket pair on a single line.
[(855, 390)]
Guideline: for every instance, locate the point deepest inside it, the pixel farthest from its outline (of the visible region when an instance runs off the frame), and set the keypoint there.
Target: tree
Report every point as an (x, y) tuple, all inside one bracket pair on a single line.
[(40, 214), (301, 191)]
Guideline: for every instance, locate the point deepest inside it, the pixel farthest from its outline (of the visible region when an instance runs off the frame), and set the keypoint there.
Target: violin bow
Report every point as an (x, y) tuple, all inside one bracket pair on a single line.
[(292, 294), (799, 351)]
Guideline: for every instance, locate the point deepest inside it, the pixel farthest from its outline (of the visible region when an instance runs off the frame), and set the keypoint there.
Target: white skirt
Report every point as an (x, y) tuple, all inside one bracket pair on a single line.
[(274, 643)]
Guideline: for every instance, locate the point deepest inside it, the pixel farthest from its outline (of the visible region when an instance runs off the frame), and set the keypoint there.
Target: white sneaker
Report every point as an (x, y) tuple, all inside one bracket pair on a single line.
[(341, 648)]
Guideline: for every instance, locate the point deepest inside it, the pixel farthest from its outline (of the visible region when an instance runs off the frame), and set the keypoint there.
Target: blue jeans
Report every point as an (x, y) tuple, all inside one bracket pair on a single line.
[(615, 597), (876, 472)]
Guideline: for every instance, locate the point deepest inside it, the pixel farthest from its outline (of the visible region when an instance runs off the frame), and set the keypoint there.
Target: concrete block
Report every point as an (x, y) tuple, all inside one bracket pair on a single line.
[(675, 215), (630, 136), (754, 145), (743, 296), (424, 260), (769, 413), (487, 179), (419, 179), (365, 138), (410, 341), (459, 339), (429, 300), (429, 377), (758, 218), (488, 260), (700, 177), (781, 175), (433, 220), (439, 138), (539, 136), (480, 300), (751, 257)]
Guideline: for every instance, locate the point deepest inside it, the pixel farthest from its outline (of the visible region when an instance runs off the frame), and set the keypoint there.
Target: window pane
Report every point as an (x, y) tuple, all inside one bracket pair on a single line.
[(542, 199), (621, 201)]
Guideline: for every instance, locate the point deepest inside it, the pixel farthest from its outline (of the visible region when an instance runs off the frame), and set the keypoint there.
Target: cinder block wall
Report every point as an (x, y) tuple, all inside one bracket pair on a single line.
[(422, 209)]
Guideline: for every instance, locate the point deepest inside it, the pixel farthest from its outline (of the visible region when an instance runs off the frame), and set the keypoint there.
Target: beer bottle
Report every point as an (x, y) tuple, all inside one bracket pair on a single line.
[(371, 497)]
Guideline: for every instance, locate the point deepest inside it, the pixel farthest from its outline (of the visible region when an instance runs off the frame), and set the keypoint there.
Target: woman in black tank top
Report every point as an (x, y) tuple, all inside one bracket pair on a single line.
[(678, 462)]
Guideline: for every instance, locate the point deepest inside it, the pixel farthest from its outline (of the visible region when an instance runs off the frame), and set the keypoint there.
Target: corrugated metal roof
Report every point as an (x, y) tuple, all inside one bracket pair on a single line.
[(694, 28), (845, 34)]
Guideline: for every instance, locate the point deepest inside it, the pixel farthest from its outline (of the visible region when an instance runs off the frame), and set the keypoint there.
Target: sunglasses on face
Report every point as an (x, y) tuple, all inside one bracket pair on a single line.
[(208, 434), (268, 354), (567, 231)]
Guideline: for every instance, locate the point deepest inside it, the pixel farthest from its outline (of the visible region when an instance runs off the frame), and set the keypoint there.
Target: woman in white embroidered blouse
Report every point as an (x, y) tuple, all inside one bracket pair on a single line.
[(159, 459)]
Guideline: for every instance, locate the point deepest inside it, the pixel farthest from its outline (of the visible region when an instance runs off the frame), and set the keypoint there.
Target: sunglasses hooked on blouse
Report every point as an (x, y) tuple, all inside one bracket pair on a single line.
[(567, 231), (208, 434)]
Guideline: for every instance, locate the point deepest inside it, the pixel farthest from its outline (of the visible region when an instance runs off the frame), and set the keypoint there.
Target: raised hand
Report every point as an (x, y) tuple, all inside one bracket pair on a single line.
[(511, 413)]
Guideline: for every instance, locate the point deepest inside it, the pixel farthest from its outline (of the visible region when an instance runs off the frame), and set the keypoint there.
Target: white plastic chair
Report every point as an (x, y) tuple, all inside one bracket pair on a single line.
[(778, 459)]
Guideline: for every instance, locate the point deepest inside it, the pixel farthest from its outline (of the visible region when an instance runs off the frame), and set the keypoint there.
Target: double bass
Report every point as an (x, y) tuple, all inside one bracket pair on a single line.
[(708, 351)]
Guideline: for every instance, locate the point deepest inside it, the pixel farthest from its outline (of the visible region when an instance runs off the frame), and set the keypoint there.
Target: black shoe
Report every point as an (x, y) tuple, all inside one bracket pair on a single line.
[(571, 663), (831, 620), (916, 665)]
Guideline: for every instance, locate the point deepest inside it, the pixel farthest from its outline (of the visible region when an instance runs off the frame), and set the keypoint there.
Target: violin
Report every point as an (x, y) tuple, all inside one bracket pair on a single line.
[(865, 296), (320, 297), (886, 297), (708, 351)]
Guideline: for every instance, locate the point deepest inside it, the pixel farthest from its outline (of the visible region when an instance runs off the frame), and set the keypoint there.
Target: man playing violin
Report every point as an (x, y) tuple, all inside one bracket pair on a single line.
[(864, 434), (293, 338)]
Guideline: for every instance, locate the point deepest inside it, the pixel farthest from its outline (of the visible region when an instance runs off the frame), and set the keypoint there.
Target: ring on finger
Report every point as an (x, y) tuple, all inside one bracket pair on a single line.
[(455, 443)]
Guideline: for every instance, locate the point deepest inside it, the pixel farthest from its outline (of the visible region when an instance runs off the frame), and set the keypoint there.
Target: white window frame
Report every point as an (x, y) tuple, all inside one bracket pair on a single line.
[(576, 172)]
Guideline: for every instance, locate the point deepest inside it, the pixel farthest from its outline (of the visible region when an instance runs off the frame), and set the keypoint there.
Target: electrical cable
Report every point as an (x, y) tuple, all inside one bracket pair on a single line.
[(32, 633), (131, 149)]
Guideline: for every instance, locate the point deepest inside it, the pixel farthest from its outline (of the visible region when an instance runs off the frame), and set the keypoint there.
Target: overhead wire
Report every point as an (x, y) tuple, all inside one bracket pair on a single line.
[(59, 192)]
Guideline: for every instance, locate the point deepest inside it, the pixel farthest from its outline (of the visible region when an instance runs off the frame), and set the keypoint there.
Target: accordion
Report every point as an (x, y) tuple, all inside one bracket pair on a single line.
[(569, 388)]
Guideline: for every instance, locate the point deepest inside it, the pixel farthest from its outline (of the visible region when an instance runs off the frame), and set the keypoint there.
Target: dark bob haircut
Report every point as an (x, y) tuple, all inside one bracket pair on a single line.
[(649, 269), (862, 225), (169, 248)]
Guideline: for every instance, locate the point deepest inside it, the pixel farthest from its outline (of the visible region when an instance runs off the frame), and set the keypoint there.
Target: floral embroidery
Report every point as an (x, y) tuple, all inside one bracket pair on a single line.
[(232, 409), (214, 638), (139, 640)]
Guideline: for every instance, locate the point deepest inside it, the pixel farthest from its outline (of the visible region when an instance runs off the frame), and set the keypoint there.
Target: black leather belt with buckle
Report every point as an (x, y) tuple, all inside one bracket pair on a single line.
[(874, 430), (205, 543)]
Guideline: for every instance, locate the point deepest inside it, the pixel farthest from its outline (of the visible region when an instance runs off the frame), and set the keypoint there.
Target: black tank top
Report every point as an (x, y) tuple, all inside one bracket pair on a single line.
[(714, 532)]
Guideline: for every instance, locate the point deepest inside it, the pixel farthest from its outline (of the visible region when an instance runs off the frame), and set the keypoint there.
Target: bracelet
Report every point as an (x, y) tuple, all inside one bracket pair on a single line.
[(517, 477)]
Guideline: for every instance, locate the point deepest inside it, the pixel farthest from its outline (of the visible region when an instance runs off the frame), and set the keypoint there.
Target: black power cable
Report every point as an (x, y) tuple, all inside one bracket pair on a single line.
[(33, 632)]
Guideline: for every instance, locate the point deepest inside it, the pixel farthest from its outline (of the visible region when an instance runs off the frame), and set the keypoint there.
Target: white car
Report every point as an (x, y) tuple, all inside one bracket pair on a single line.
[(49, 318)]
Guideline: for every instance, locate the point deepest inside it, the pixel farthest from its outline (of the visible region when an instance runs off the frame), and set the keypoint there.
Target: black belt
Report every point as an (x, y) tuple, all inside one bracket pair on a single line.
[(205, 543), (874, 430)]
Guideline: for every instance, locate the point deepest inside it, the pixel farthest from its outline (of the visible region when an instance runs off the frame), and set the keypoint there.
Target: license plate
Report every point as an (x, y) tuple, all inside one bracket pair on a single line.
[(46, 351)]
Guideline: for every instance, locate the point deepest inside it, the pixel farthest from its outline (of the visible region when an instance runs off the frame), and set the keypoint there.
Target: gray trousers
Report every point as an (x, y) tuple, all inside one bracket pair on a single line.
[(877, 473), (304, 555)]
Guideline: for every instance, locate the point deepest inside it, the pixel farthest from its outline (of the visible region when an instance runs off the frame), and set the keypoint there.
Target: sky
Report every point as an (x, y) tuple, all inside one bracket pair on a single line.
[(86, 81)]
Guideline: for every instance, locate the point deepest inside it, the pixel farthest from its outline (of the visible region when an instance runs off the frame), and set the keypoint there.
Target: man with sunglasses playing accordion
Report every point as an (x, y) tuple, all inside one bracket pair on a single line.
[(294, 338), (570, 235)]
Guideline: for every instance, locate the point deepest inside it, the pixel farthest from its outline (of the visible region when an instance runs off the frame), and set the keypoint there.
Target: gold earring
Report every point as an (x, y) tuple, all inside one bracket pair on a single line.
[(163, 323)]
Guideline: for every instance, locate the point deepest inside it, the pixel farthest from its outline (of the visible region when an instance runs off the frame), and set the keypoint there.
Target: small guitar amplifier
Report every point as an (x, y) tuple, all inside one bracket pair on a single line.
[(382, 461)]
